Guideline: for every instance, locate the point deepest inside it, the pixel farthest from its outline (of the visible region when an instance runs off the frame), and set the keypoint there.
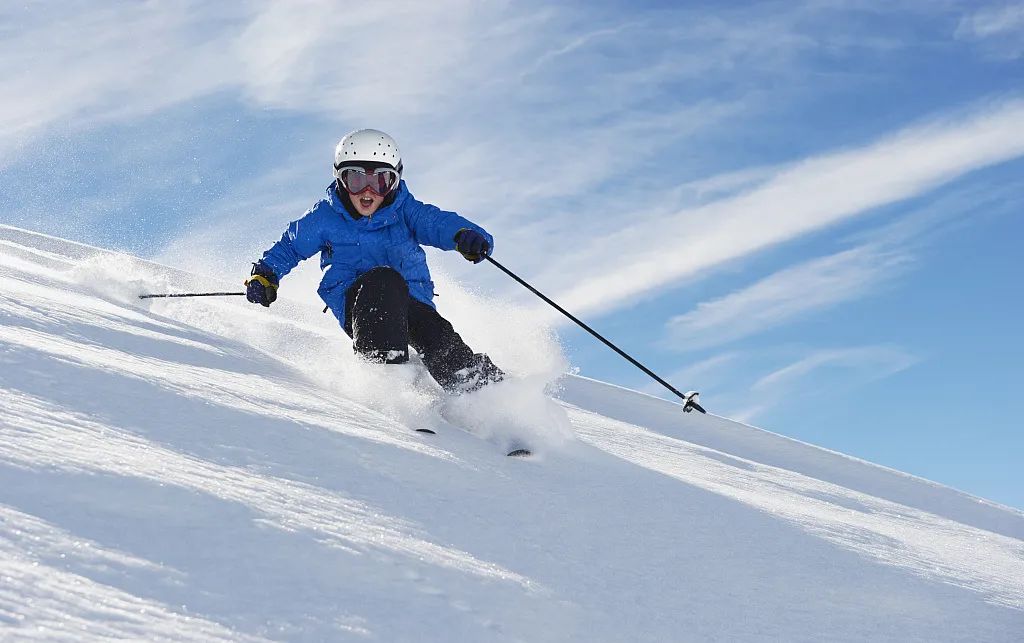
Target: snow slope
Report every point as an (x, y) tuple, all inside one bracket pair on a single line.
[(208, 470)]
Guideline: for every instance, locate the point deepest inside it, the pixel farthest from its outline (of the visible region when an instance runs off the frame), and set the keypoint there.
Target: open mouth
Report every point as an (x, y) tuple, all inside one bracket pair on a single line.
[(365, 201)]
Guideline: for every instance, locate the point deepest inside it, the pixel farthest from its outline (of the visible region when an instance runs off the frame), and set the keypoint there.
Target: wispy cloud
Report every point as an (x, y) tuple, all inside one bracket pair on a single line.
[(439, 70), (804, 198), (713, 373), (83, 62), (547, 156), (998, 28), (808, 287), (390, 60), (872, 362), (815, 372)]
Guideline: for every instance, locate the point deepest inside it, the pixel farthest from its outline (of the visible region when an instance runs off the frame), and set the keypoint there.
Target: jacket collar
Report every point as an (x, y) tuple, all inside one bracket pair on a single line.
[(383, 217)]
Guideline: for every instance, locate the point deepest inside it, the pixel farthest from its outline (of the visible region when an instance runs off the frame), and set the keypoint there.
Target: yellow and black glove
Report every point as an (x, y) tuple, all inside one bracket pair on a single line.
[(261, 287), (472, 245)]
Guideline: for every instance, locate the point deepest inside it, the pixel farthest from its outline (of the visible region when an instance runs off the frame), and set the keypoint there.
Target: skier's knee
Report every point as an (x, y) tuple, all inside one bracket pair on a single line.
[(383, 277)]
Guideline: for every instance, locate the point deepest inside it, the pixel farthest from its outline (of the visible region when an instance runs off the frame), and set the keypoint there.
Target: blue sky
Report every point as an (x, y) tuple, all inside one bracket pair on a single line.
[(810, 211)]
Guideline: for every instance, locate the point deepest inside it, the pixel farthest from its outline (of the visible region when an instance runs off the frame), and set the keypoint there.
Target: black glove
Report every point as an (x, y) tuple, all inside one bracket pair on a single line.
[(261, 287), (473, 245)]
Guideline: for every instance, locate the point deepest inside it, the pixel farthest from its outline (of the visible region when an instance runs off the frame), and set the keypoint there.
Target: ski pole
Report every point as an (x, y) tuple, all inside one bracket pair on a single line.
[(689, 399), (194, 294)]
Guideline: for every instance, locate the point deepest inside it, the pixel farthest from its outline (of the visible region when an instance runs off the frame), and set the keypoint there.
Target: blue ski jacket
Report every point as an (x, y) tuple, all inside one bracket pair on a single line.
[(350, 246)]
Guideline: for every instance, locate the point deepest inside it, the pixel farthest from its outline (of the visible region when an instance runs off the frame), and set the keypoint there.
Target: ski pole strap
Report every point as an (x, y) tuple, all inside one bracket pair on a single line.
[(261, 279), (689, 401), (193, 294)]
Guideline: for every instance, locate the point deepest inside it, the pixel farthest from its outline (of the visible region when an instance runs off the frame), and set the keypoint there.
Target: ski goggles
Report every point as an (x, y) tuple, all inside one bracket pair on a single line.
[(381, 181)]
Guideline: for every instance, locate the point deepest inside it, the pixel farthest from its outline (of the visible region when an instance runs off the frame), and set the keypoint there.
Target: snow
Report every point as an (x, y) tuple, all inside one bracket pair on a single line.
[(212, 470)]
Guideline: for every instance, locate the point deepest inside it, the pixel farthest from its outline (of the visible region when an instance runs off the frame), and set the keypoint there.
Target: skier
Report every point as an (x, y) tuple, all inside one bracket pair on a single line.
[(368, 231)]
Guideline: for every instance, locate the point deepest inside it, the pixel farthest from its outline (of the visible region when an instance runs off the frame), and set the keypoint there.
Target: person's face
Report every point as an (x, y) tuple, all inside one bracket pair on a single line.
[(366, 202)]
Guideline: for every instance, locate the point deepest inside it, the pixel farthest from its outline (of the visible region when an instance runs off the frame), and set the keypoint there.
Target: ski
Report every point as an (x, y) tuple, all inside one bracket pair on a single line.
[(515, 452)]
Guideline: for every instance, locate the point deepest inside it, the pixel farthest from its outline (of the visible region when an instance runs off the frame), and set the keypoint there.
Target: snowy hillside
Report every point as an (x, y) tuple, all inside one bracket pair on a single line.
[(212, 470)]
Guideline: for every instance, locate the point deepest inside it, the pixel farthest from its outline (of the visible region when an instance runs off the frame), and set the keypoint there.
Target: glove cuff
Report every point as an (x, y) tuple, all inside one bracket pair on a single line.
[(261, 280)]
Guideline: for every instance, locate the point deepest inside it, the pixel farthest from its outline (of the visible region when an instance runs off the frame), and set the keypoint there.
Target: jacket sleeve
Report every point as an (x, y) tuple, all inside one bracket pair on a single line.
[(432, 226), (300, 241)]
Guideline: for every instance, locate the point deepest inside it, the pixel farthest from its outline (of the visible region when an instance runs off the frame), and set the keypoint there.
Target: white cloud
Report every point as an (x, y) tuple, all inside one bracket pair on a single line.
[(808, 287), (385, 59), (729, 183), (746, 386), (646, 256), (69, 64), (817, 372), (442, 77), (872, 362), (72, 64), (998, 28), (447, 73), (885, 253), (710, 373)]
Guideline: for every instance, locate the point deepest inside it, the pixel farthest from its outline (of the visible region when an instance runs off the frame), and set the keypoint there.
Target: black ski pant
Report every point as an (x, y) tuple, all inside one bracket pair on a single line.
[(383, 320)]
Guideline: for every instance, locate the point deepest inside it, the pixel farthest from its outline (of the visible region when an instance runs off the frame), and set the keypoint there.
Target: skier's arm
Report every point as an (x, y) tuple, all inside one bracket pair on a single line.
[(433, 226), (300, 241)]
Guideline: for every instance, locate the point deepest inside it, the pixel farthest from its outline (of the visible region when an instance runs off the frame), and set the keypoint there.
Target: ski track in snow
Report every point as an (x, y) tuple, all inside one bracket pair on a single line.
[(894, 534), (172, 478), (79, 445), (37, 575)]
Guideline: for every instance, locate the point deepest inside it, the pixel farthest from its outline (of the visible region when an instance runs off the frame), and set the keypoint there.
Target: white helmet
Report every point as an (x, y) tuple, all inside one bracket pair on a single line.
[(367, 146)]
